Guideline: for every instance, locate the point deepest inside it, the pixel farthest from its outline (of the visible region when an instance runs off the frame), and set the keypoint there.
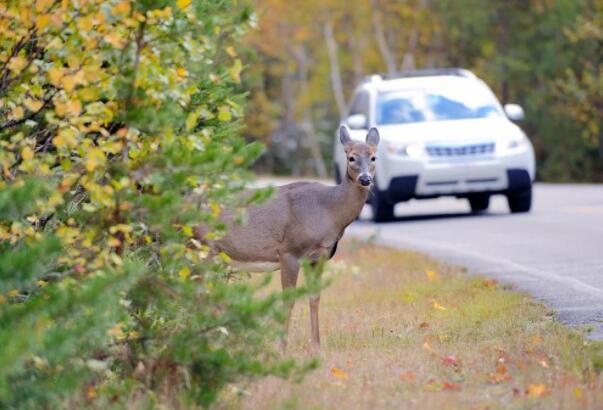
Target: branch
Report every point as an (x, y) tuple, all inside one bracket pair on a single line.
[(335, 70)]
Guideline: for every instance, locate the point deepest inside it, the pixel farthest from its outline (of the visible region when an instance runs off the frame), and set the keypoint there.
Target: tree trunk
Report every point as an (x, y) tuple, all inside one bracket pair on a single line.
[(336, 82), (384, 49), (307, 125), (409, 61), (288, 134)]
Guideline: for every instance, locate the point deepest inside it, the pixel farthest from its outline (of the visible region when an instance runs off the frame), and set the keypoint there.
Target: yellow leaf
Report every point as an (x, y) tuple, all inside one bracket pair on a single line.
[(55, 74), (90, 392), (231, 51), (536, 390), (184, 273), (12, 293), (339, 373), (224, 114), (17, 113), (117, 332), (42, 21), (120, 228), (431, 275), (43, 5), (183, 4), (16, 64), (85, 23), (113, 242), (578, 392), (66, 137), (68, 83), (95, 158), (215, 209), (33, 105), (121, 8), (235, 70), (225, 257), (115, 40), (74, 107), (27, 154)]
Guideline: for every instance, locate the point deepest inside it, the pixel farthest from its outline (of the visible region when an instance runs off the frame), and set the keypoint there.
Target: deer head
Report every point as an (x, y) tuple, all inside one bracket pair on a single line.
[(361, 156)]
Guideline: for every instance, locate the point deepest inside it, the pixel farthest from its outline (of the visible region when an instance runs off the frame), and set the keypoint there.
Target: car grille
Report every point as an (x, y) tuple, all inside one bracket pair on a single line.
[(460, 150)]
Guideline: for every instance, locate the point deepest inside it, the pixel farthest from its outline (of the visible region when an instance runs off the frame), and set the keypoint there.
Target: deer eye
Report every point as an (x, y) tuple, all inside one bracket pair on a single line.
[(373, 159), (351, 159)]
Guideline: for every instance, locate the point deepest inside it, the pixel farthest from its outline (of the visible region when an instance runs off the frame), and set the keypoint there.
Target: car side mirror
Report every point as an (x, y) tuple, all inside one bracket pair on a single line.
[(514, 112), (357, 122)]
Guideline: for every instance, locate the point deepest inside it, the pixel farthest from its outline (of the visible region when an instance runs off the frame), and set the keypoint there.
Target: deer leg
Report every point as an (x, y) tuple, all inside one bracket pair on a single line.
[(314, 324), (289, 273), (314, 302)]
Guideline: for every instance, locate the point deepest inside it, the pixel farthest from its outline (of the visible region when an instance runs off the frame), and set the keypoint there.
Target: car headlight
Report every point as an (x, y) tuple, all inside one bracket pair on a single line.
[(411, 150), (516, 143), (414, 151)]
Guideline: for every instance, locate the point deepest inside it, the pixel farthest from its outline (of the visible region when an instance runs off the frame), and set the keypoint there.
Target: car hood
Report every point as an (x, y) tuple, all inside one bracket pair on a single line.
[(452, 132)]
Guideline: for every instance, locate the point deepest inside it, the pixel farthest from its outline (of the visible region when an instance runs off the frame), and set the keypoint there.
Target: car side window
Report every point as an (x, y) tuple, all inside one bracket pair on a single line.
[(360, 104)]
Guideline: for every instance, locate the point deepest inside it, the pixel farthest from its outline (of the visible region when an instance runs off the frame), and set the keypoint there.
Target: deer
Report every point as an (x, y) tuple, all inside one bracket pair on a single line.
[(302, 220)]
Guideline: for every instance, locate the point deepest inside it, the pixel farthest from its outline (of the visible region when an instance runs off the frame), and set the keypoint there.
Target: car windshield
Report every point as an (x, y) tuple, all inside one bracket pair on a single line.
[(419, 105)]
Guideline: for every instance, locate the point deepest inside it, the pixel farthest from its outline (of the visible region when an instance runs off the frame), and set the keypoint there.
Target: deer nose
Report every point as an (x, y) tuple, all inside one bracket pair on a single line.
[(365, 180)]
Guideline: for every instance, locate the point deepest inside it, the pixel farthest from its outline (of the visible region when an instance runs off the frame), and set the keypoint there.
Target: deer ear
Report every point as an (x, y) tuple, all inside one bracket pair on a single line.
[(344, 136), (372, 137)]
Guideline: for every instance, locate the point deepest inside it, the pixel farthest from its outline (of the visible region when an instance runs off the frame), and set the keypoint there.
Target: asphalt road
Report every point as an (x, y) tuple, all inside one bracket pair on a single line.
[(555, 252)]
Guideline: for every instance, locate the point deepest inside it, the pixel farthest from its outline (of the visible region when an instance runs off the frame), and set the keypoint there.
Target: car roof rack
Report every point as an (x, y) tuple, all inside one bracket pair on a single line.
[(426, 72)]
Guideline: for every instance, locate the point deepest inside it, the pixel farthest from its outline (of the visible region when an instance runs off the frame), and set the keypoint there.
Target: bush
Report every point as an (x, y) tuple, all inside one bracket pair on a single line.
[(118, 127)]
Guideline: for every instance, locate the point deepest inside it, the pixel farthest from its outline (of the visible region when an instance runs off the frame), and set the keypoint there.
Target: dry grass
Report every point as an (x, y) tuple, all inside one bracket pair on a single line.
[(403, 331)]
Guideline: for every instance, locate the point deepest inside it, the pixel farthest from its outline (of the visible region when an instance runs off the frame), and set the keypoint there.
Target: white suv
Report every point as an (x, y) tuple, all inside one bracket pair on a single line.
[(443, 132)]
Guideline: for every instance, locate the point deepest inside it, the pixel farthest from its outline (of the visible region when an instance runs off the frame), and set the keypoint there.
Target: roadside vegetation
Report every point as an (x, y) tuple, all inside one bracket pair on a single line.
[(119, 134), (401, 330)]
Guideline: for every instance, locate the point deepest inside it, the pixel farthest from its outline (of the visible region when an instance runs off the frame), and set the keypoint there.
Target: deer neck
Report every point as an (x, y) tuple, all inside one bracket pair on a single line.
[(347, 201)]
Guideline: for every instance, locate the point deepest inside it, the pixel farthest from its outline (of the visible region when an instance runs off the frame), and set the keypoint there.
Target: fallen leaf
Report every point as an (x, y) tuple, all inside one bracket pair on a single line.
[(339, 373), (496, 378), (450, 361), (451, 386), (536, 390), (408, 376), (90, 392), (423, 325)]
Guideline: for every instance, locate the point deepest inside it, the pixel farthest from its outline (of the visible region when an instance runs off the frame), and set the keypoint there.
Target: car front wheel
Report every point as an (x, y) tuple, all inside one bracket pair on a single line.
[(383, 210), (479, 202), (520, 201)]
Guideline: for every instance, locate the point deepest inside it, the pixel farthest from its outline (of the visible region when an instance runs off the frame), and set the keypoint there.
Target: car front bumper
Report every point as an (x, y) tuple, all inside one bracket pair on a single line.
[(428, 178)]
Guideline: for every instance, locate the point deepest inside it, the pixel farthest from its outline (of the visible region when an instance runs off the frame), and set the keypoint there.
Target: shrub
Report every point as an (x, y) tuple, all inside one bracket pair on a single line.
[(118, 133)]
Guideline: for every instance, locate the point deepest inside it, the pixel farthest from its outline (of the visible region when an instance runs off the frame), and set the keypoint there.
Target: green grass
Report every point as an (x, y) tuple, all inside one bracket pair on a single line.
[(396, 336)]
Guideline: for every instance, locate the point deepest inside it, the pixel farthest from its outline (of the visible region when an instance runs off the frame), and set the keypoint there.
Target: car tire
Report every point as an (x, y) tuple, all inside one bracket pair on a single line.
[(479, 202), (383, 209), (520, 201)]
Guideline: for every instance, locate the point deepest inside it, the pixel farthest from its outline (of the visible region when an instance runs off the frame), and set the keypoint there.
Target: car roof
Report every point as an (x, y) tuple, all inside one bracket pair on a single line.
[(435, 81)]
